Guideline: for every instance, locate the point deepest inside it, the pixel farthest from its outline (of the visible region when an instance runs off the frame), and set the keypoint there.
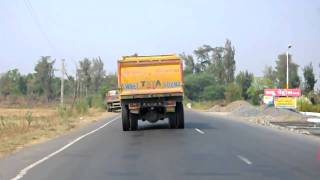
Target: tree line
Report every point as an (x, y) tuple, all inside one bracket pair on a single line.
[(210, 76), (90, 79), (209, 72)]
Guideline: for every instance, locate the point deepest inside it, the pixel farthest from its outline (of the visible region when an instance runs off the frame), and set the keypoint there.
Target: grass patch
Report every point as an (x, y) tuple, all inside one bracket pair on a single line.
[(20, 127), (309, 107), (82, 106), (305, 105)]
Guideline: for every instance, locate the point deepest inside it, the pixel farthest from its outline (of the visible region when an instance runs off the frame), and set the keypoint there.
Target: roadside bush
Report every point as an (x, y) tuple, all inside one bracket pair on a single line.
[(2, 122), (305, 105), (64, 112), (196, 83), (89, 101), (254, 95), (232, 92), (213, 92), (303, 100), (193, 86), (82, 106), (29, 118), (244, 80), (97, 102), (255, 91), (314, 97)]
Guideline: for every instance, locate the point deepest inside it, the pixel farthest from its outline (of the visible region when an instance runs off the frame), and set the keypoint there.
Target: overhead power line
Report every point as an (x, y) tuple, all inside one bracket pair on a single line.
[(33, 15)]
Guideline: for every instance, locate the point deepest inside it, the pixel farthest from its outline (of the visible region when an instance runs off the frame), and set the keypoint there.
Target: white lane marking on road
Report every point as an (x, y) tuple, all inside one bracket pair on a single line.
[(199, 131), (244, 159), (26, 169)]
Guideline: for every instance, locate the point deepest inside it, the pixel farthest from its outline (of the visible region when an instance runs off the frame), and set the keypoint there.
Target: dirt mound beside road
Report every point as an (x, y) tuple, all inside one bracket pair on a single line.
[(230, 107), (236, 105), (275, 114), (246, 110), (216, 108)]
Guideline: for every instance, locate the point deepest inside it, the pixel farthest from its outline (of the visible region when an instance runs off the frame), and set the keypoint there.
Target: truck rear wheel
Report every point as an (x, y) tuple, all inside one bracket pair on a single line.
[(108, 108), (133, 121), (173, 120), (125, 119), (180, 115)]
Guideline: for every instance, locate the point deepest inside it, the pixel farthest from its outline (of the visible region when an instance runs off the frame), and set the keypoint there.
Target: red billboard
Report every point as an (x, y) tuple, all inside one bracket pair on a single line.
[(282, 92)]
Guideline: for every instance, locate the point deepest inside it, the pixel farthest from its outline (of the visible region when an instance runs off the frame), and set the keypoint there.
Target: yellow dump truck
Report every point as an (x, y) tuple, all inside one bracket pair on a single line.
[(151, 88)]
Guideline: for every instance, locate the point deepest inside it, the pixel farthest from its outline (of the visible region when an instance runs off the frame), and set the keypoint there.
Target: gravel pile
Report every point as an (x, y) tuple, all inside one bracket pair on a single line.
[(246, 111), (281, 114), (278, 112), (230, 107), (262, 113), (216, 108), (236, 105)]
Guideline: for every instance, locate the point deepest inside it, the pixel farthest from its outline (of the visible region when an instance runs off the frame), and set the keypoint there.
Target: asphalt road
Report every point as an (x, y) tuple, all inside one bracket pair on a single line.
[(210, 147)]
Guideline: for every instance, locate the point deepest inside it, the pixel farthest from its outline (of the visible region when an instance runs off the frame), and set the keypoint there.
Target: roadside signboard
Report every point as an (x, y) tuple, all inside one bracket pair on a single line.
[(285, 102), (282, 92), (268, 100)]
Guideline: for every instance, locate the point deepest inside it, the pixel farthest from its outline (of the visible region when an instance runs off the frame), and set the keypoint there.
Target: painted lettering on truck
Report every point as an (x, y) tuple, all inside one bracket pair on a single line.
[(151, 85), (130, 86)]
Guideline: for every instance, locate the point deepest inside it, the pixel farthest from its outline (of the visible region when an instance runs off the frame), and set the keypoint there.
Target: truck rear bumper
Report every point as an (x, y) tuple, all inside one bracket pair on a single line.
[(151, 99), (114, 105), (144, 96), (167, 103)]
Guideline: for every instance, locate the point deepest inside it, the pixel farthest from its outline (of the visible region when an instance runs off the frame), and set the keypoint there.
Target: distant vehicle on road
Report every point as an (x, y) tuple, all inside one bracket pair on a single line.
[(151, 88), (113, 101)]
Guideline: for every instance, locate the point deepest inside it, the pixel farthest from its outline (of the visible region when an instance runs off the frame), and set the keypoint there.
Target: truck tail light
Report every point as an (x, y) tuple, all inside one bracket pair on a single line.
[(134, 105), (170, 103)]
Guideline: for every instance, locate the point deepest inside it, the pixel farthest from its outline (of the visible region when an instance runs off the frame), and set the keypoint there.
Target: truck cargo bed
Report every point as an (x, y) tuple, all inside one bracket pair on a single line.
[(150, 75)]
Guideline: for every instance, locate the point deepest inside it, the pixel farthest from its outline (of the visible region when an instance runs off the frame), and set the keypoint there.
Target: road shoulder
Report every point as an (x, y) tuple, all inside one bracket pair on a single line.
[(10, 165), (263, 126)]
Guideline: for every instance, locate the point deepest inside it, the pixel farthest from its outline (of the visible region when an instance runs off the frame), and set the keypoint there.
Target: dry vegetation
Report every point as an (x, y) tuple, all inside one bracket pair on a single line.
[(20, 127)]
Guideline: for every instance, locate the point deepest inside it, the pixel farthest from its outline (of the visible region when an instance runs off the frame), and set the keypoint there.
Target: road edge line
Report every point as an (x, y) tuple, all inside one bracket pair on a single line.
[(25, 170), (199, 131), (244, 159)]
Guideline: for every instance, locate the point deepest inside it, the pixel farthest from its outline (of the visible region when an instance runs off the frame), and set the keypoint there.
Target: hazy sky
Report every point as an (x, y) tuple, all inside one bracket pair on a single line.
[(259, 30)]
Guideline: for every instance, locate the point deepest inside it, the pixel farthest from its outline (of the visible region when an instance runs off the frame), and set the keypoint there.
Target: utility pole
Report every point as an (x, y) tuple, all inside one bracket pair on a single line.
[(62, 81), (76, 86), (289, 46)]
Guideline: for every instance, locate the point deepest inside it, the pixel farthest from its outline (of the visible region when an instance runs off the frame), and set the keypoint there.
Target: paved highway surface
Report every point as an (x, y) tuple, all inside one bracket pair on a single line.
[(210, 147)]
